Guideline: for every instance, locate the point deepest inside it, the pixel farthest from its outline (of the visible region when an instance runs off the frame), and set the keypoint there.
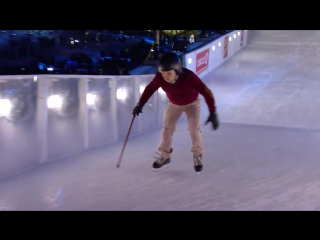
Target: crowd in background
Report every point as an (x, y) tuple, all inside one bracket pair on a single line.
[(81, 51)]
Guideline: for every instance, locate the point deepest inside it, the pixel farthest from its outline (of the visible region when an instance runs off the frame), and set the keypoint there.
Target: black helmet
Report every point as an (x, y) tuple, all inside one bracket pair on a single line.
[(170, 61)]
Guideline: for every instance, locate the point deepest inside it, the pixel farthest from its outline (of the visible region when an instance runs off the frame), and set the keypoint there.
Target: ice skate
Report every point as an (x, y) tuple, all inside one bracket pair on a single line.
[(198, 166), (161, 163)]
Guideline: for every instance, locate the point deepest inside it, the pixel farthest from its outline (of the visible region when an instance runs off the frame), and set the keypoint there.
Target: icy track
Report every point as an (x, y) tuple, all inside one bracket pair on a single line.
[(265, 156)]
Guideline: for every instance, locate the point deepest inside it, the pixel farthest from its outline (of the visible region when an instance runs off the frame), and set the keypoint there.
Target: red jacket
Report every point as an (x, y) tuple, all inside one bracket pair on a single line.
[(184, 91)]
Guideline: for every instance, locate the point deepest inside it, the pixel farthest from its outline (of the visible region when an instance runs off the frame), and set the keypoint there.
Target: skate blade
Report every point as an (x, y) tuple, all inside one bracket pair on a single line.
[(159, 169)]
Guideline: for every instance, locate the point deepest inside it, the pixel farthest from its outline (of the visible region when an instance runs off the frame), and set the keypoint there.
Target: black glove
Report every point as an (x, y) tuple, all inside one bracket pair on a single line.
[(213, 118), (137, 109)]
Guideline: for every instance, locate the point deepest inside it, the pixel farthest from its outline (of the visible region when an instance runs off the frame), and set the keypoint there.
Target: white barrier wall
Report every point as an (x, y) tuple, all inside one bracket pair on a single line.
[(210, 56), (43, 118)]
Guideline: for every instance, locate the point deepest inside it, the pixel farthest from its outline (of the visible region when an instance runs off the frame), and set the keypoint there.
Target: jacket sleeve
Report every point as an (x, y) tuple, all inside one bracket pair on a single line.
[(149, 90), (205, 92)]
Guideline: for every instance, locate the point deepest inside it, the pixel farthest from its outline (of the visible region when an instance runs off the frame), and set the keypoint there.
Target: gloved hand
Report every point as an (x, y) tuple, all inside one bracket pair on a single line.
[(213, 118), (137, 109)]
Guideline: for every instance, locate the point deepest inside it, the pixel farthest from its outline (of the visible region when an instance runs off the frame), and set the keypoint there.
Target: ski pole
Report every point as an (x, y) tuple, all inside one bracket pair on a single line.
[(125, 142)]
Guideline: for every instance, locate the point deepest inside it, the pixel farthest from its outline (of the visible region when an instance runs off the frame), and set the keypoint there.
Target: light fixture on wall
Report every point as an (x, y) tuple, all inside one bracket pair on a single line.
[(95, 101), (141, 88), (122, 94), (55, 102), (91, 99), (17, 99), (160, 90), (189, 60), (5, 107), (63, 99)]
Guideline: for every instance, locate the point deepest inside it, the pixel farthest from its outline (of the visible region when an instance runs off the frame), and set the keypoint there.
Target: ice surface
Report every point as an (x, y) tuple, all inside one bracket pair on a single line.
[(265, 156)]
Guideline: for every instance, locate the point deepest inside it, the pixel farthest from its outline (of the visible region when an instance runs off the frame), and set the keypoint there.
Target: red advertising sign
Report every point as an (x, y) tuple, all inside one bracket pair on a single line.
[(225, 47), (202, 61)]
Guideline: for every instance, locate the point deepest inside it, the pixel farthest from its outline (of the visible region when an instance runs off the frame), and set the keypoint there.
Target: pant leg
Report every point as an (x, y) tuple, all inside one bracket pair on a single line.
[(170, 119), (193, 117)]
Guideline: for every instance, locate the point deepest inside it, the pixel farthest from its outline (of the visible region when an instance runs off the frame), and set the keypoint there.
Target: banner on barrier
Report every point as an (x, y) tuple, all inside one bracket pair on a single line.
[(225, 47), (202, 60)]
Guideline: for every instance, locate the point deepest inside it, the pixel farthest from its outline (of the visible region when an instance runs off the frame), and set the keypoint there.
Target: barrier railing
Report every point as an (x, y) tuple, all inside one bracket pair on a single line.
[(205, 59)]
